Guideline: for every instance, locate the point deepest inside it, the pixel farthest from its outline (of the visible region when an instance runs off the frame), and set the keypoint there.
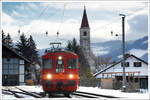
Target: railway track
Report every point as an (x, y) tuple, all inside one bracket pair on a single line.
[(91, 95), (78, 94), (10, 92), (30, 93), (20, 94)]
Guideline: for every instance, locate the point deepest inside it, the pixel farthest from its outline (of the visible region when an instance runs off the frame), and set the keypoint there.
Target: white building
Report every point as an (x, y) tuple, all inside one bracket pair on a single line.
[(136, 70)]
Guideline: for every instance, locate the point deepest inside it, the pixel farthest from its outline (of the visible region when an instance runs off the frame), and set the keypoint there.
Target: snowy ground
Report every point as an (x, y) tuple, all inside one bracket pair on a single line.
[(116, 93)]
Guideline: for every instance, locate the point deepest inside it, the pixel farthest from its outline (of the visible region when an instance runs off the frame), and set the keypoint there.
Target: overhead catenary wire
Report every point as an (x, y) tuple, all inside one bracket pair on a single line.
[(104, 26), (61, 24), (61, 19), (42, 13)]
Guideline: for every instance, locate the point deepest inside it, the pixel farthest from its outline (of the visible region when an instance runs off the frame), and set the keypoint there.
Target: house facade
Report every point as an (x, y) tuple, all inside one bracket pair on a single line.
[(13, 67), (136, 71)]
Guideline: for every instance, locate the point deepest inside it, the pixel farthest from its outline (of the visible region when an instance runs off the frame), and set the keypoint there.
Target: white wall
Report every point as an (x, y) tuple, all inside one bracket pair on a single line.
[(117, 68), (21, 72)]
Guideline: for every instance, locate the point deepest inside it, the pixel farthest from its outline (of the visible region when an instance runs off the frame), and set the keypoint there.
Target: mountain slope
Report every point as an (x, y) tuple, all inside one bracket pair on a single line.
[(114, 48)]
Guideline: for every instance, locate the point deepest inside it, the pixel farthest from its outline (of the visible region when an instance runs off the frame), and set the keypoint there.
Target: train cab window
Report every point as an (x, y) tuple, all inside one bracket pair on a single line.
[(47, 63), (72, 63), (60, 66)]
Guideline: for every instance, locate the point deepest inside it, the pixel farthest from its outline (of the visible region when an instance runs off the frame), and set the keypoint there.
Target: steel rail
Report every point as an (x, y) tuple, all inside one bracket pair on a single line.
[(84, 95), (30, 93), (4, 90), (14, 93), (97, 95)]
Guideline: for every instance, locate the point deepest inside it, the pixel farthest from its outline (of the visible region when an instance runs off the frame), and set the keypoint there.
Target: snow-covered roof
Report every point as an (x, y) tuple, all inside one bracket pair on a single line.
[(15, 52), (113, 65)]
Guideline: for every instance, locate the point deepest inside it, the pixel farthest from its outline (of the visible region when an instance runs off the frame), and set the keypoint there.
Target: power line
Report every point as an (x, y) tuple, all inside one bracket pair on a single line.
[(116, 19), (42, 13), (61, 20)]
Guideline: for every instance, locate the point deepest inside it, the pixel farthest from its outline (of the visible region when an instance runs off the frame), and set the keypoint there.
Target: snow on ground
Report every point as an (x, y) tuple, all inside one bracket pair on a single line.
[(116, 93), (32, 88), (26, 88)]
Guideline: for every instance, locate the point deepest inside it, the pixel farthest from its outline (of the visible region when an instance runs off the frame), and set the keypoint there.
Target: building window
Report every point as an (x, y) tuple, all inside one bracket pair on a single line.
[(10, 71), (85, 34), (136, 80), (126, 64), (10, 66), (137, 64)]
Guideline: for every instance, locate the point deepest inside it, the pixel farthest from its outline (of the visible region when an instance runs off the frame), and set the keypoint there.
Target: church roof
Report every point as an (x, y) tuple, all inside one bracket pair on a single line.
[(84, 20)]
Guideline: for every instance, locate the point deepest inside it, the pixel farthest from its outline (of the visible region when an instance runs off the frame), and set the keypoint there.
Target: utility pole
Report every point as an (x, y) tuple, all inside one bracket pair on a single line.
[(123, 51)]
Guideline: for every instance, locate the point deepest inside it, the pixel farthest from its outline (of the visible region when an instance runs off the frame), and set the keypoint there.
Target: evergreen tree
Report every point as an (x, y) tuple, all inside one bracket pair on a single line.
[(22, 46), (3, 37), (73, 46), (8, 40), (32, 50), (87, 78), (69, 46)]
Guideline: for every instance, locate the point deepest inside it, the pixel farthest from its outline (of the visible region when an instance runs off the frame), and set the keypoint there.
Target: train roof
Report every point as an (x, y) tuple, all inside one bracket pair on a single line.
[(59, 51)]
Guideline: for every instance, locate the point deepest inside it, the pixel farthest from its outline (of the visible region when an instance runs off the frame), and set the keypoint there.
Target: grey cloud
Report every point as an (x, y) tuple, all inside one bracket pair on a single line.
[(139, 24)]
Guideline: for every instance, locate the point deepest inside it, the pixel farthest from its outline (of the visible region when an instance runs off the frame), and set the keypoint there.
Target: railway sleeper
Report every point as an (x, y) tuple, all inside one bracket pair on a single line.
[(30, 93), (15, 94)]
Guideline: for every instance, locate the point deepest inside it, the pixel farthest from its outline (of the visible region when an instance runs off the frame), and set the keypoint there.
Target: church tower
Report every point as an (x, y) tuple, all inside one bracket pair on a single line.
[(85, 41), (85, 33)]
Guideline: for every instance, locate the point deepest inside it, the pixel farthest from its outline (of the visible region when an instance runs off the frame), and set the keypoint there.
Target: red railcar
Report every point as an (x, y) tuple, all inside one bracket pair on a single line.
[(60, 72)]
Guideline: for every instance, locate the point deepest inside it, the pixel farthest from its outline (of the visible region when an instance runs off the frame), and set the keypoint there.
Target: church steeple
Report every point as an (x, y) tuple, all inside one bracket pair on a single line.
[(85, 41), (84, 19), (85, 32)]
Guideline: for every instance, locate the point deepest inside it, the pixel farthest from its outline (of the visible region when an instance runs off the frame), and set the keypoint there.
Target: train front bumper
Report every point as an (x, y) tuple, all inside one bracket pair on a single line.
[(60, 85)]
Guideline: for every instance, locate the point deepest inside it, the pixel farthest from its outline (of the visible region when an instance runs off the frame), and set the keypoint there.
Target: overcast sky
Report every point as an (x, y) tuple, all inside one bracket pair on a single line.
[(35, 18)]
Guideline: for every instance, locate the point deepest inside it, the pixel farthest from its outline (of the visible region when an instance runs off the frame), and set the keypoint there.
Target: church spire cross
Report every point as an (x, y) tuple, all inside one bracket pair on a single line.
[(84, 19)]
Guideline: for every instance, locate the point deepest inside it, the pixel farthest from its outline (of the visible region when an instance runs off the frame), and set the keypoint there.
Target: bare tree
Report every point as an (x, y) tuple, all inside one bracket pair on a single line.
[(103, 62)]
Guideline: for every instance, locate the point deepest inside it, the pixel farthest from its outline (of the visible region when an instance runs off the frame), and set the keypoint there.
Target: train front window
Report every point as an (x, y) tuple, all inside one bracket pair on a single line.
[(60, 66), (47, 63), (72, 63)]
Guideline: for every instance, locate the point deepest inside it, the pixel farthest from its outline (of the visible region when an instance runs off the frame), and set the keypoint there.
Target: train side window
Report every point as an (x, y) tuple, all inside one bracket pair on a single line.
[(47, 63), (72, 63)]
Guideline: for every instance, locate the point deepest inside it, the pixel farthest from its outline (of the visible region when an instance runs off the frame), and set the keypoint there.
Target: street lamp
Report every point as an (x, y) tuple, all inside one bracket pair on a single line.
[(123, 51)]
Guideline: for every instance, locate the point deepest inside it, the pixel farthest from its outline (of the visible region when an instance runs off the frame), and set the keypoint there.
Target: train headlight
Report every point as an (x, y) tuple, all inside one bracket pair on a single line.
[(60, 57), (49, 76), (70, 76)]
